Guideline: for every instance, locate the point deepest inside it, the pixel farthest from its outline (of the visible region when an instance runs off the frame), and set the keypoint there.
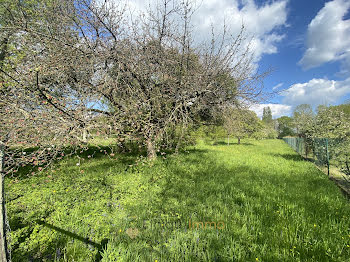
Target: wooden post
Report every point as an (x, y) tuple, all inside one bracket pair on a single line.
[(3, 247), (327, 152)]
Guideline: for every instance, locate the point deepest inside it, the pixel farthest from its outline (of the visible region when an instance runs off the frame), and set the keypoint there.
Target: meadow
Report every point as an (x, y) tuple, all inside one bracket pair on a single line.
[(264, 202)]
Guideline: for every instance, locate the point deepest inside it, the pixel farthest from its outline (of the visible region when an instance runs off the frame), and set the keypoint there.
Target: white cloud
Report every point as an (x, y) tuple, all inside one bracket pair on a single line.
[(277, 110), (277, 86), (261, 22), (328, 36), (316, 92)]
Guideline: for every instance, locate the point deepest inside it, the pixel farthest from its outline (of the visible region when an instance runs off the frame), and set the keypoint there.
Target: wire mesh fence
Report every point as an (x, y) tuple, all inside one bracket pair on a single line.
[(325, 152)]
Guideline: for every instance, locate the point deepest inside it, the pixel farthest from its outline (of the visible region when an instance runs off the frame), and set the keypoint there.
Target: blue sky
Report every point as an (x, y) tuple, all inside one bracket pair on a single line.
[(299, 33), (305, 42)]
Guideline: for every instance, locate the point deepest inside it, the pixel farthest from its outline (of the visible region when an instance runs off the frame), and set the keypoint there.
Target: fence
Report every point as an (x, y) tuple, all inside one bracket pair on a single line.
[(4, 254), (323, 151)]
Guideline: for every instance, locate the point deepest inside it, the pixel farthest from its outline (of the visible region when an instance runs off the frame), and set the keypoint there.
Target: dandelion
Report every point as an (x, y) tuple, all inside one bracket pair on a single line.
[(78, 164), (54, 191), (315, 225), (120, 230), (256, 259)]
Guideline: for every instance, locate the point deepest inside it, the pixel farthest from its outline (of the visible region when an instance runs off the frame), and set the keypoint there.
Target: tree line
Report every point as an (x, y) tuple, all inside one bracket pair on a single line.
[(325, 121), (330, 122)]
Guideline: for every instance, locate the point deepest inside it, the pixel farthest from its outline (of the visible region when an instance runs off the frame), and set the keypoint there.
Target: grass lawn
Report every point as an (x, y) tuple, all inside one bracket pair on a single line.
[(265, 202)]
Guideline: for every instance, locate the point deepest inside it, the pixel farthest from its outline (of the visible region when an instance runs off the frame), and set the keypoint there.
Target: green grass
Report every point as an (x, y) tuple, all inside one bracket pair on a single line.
[(274, 206)]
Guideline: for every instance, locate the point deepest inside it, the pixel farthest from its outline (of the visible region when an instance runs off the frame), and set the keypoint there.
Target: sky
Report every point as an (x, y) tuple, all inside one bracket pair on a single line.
[(312, 62), (305, 43)]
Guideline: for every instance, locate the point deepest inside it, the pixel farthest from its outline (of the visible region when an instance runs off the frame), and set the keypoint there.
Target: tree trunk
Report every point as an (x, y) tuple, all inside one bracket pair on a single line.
[(84, 136), (151, 150), (228, 140), (239, 140), (3, 247), (179, 141)]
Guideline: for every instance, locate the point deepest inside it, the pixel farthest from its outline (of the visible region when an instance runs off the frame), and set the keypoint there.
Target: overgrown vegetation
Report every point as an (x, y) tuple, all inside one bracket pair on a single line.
[(275, 207)]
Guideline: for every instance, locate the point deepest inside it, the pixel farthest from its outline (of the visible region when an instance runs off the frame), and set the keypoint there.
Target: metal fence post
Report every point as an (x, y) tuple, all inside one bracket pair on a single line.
[(3, 247)]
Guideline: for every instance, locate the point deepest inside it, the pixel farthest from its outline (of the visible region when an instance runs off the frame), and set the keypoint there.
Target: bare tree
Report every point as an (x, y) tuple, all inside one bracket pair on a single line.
[(154, 76)]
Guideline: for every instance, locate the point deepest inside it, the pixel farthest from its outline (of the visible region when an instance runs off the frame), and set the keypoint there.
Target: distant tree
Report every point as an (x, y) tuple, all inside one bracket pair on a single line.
[(267, 116), (344, 108), (241, 123), (303, 120), (285, 126), (331, 122)]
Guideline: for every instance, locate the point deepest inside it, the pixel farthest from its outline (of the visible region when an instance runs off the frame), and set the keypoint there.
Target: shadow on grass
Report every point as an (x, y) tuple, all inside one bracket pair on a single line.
[(94, 151), (100, 247), (222, 143), (293, 157)]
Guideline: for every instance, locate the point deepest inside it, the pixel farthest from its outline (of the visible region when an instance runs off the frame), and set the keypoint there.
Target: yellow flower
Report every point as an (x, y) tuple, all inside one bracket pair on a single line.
[(315, 225), (67, 190), (257, 259), (120, 230), (54, 191)]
